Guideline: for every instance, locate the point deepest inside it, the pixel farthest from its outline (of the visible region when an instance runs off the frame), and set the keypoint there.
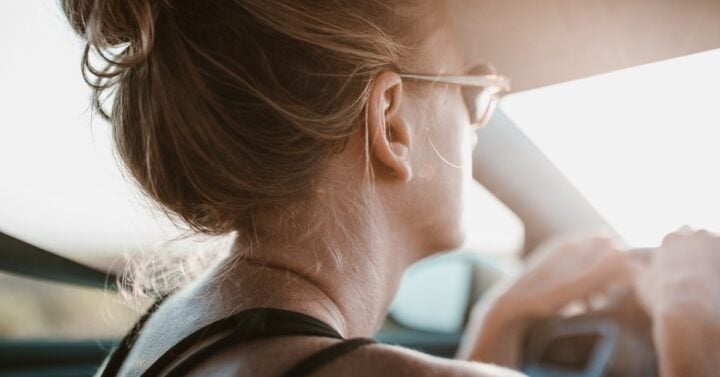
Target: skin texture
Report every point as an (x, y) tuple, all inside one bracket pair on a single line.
[(680, 288), (678, 285), (420, 152), (559, 272)]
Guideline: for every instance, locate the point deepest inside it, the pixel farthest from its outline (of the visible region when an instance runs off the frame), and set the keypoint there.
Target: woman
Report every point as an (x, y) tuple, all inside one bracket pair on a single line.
[(328, 136)]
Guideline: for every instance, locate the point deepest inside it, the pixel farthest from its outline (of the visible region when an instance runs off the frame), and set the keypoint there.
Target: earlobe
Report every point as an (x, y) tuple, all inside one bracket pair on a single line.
[(387, 129)]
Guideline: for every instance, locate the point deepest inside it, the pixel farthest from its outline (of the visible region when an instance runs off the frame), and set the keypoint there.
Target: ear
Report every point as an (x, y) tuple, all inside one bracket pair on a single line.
[(388, 131)]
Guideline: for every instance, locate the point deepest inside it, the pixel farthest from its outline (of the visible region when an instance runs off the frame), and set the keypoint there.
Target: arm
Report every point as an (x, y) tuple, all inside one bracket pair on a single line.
[(556, 274), (680, 289), (687, 343)]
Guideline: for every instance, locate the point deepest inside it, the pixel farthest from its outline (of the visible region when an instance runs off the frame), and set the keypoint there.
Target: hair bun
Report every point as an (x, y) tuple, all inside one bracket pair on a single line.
[(111, 23)]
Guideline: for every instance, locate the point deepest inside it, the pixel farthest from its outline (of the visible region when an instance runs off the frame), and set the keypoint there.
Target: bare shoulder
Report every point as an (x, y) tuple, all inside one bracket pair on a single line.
[(273, 357), (385, 360)]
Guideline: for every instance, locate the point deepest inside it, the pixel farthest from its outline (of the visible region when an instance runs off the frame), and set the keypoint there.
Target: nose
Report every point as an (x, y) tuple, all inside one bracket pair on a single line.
[(474, 138)]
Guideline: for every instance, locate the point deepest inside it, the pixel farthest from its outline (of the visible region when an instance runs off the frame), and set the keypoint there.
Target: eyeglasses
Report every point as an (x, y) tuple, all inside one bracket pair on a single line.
[(481, 89)]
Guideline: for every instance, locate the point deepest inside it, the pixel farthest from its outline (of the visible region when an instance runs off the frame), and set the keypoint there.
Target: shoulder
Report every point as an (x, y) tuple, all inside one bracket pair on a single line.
[(387, 360), (273, 357)]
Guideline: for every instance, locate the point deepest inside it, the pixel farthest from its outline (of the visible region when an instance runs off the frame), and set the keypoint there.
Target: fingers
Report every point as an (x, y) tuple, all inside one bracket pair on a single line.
[(686, 231), (686, 265), (575, 246), (688, 247), (637, 261), (568, 269), (609, 268), (620, 272)]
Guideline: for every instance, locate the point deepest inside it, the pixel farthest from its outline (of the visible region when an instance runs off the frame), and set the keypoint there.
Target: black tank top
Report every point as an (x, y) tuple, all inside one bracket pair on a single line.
[(245, 326)]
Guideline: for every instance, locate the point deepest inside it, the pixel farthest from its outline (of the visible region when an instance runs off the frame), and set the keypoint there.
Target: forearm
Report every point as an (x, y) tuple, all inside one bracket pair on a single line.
[(687, 344)]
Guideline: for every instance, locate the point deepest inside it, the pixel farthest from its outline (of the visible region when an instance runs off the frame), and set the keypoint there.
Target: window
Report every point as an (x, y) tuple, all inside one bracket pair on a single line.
[(645, 158), (61, 188), (34, 309)]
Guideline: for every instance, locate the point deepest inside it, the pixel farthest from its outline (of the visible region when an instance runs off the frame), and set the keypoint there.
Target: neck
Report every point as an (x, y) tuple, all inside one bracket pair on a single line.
[(348, 283)]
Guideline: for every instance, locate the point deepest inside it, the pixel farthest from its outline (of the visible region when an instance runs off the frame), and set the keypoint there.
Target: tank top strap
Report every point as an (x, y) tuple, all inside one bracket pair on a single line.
[(241, 327), (323, 357), (245, 326), (119, 354)]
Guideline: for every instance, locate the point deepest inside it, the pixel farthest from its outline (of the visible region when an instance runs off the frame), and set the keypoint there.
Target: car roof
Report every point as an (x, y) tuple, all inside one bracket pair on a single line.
[(540, 43)]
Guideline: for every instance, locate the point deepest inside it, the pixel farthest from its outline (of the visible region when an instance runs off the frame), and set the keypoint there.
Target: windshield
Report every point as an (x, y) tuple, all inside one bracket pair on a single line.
[(645, 158)]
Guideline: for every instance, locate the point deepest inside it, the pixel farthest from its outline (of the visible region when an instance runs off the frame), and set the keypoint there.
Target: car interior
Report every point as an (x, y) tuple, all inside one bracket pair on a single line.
[(552, 49)]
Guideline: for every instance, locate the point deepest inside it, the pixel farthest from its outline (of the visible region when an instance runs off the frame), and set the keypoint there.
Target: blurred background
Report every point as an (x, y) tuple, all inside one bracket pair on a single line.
[(642, 144)]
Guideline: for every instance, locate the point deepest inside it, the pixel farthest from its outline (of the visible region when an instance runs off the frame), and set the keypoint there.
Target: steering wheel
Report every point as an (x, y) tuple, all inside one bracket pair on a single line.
[(616, 341), (613, 342)]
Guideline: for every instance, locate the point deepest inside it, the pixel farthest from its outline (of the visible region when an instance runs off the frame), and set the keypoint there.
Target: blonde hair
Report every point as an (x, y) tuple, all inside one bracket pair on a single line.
[(225, 110)]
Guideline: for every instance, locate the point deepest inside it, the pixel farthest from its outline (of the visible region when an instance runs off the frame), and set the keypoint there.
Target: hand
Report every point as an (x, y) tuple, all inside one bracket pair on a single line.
[(683, 273), (557, 273), (564, 270), (680, 289)]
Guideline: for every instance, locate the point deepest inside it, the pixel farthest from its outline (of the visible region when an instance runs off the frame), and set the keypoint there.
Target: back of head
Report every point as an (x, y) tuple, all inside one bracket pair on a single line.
[(226, 109)]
